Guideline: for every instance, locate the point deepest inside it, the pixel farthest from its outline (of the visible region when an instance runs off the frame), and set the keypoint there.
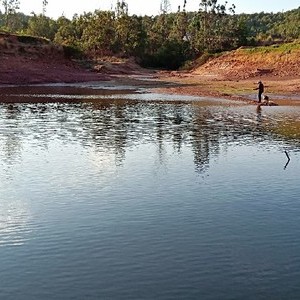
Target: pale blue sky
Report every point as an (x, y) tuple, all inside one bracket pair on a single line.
[(150, 7)]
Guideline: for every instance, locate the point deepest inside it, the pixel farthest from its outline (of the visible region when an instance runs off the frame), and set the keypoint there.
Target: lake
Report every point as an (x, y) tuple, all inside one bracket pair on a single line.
[(124, 194)]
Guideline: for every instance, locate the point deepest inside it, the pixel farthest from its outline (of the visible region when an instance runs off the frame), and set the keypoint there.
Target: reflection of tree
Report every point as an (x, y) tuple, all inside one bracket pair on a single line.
[(111, 126), (120, 134), (179, 131), (160, 121), (205, 140), (12, 139), (201, 151)]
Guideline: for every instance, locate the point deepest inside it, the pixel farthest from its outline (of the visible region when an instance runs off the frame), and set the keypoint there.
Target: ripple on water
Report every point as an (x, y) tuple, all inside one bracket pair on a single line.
[(148, 199)]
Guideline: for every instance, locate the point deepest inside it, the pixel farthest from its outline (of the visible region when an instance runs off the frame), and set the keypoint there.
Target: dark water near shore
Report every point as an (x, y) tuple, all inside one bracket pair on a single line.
[(148, 196)]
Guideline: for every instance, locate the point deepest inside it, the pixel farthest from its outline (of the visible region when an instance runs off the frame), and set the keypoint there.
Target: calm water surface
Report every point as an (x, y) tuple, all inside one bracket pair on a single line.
[(147, 196)]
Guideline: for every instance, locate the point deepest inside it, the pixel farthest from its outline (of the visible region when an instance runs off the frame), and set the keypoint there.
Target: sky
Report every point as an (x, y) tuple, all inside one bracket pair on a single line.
[(68, 8)]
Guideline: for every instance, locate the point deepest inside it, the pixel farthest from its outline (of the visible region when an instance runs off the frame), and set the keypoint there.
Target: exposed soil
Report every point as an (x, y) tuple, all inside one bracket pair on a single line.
[(233, 75), (280, 90), (245, 63), (35, 60)]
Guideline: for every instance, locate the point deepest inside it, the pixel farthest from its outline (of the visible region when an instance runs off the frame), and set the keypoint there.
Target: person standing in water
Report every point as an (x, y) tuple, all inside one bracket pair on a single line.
[(260, 89)]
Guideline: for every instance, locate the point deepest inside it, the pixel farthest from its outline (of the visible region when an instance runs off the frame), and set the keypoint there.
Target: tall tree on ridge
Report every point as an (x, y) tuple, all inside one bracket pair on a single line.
[(10, 8), (165, 6), (45, 3), (121, 8), (213, 25)]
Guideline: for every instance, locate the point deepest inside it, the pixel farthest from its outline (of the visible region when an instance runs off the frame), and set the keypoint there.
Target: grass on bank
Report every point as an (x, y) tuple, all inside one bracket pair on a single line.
[(277, 48)]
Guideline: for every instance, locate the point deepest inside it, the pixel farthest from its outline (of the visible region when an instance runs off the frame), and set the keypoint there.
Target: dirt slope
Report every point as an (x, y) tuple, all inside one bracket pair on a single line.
[(234, 75), (26, 59), (278, 61)]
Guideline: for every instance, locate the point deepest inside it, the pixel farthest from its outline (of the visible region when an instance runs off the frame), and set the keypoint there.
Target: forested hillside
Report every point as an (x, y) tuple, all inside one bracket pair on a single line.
[(167, 40)]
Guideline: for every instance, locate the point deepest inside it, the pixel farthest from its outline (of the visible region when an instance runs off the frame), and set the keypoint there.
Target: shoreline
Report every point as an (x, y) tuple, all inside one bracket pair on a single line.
[(281, 91)]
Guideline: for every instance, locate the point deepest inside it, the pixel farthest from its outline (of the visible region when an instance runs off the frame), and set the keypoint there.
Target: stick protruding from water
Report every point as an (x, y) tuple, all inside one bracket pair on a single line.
[(288, 157)]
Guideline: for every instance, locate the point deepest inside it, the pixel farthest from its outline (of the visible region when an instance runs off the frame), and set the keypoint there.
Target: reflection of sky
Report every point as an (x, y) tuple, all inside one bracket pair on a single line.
[(14, 220), (56, 154), (105, 199), (44, 179)]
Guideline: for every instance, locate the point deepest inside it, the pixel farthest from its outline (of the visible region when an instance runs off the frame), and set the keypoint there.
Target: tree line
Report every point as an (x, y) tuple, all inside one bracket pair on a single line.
[(166, 40)]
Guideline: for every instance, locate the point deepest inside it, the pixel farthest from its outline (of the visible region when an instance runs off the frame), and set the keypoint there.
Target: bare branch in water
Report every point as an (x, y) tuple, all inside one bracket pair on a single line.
[(288, 157)]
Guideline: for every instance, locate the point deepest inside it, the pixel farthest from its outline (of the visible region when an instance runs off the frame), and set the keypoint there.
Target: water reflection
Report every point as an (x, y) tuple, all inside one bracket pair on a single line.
[(115, 196), (115, 126), (288, 160), (14, 222)]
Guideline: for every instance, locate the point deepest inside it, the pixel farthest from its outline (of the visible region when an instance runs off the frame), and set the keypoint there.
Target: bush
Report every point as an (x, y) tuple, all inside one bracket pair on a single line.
[(28, 39), (72, 52), (171, 55)]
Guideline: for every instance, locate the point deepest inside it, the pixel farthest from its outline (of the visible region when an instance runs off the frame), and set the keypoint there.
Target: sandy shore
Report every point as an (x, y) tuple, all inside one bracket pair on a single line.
[(282, 91)]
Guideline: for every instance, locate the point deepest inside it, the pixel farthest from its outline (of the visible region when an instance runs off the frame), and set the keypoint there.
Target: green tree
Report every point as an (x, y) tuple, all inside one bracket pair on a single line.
[(45, 3), (98, 32), (288, 27), (10, 9), (211, 27), (130, 35), (165, 6), (121, 8), (42, 26), (66, 33), (180, 25)]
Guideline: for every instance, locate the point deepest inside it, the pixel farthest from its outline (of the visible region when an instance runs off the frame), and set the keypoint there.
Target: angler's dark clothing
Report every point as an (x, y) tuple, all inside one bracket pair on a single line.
[(260, 90)]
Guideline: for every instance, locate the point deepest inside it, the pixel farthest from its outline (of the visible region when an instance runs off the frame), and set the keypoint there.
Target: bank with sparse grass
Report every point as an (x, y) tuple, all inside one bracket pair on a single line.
[(281, 60)]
